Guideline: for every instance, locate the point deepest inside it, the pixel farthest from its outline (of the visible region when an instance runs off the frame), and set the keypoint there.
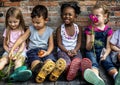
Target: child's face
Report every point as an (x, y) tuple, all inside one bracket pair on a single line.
[(68, 15), (13, 23), (99, 13), (39, 22)]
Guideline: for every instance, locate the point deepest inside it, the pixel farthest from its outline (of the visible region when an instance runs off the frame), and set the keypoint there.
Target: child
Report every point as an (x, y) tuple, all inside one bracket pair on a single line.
[(69, 40), (115, 55), (15, 28), (40, 47), (98, 35)]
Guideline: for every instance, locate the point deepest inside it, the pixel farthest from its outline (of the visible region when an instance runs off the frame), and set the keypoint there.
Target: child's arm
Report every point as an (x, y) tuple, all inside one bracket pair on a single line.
[(89, 41), (114, 47), (108, 49), (5, 46), (50, 47), (78, 45), (19, 41), (59, 41)]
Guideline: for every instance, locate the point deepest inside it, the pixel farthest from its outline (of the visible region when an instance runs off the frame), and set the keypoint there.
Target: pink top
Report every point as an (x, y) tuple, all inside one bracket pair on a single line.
[(110, 32), (14, 35)]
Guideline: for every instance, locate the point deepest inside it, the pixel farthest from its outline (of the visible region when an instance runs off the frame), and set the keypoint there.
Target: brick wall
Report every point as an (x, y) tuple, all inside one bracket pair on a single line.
[(54, 10)]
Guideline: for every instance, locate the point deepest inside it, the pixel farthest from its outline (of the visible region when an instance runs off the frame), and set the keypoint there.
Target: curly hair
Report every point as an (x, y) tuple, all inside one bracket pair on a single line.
[(72, 4)]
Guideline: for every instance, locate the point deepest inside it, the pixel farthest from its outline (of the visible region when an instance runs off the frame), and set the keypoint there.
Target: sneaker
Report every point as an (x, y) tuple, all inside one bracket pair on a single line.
[(85, 63), (59, 68), (44, 71), (117, 79), (20, 74), (92, 78), (73, 69)]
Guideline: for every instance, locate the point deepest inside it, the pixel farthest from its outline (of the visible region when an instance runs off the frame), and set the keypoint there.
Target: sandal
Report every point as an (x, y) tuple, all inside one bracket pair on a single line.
[(45, 70), (20, 74), (59, 68)]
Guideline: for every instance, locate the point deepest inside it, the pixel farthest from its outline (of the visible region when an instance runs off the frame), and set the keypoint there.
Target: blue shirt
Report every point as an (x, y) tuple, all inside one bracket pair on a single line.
[(37, 40)]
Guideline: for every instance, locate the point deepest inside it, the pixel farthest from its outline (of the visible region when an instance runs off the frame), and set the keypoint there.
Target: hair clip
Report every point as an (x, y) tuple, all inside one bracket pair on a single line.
[(93, 18)]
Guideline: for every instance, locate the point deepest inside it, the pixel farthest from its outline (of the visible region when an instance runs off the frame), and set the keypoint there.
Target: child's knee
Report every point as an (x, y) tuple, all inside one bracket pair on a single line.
[(4, 60)]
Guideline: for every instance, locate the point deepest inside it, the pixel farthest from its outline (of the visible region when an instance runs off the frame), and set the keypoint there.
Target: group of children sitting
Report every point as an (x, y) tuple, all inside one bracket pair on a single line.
[(102, 45)]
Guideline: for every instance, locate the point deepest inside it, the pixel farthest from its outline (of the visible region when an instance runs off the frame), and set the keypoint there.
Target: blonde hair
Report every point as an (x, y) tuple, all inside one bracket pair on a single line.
[(15, 12), (105, 10)]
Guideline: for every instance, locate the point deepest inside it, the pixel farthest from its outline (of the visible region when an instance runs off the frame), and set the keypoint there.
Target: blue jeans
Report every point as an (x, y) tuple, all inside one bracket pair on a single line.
[(107, 63), (33, 55)]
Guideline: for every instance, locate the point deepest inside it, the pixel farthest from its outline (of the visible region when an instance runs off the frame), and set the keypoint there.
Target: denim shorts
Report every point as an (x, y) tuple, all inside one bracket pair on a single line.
[(32, 55)]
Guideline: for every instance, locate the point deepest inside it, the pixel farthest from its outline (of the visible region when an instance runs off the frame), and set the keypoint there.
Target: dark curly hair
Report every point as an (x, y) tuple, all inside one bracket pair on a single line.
[(72, 4)]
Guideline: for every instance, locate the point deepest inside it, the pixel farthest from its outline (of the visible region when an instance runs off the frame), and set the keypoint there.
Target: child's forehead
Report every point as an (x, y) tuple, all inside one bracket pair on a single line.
[(98, 10), (37, 18), (13, 18)]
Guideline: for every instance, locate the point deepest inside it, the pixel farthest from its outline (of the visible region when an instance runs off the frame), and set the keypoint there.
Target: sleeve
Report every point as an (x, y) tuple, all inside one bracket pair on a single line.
[(114, 38), (87, 31), (4, 33), (110, 32)]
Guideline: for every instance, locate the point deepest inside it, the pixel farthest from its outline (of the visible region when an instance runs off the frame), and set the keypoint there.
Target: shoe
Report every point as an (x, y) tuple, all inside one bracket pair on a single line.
[(117, 79), (20, 74), (92, 78), (73, 69), (59, 68), (85, 63), (44, 71)]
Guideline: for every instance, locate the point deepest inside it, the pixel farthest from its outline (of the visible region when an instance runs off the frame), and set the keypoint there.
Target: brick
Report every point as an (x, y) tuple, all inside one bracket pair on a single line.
[(4, 0), (117, 13), (115, 8), (82, 18), (2, 20), (11, 3), (87, 3)]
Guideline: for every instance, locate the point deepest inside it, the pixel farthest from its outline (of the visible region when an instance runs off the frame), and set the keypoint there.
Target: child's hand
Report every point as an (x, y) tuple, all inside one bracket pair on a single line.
[(119, 57), (102, 58), (74, 52), (15, 56), (69, 53), (11, 54), (42, 53), (92, 38)]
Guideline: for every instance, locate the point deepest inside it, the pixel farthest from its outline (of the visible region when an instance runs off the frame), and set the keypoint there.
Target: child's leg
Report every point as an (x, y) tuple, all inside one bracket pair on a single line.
[(3, 61), (19, 61), (63, 55), (74, 66), (92, 75), (34, 63), (21, 73)]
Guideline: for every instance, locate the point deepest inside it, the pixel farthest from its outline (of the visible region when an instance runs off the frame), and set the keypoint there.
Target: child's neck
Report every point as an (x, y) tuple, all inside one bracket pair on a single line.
[(101, 27), (69, 25)]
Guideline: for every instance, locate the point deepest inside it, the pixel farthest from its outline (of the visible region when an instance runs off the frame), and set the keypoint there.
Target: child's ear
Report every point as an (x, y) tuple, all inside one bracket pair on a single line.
[(106, 16), (46, 20)]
